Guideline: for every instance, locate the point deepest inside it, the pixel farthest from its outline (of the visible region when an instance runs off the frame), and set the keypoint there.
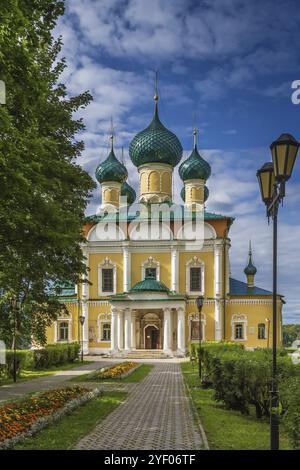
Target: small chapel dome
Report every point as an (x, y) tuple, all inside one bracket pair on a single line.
[(155, 144), (111, 169), (194, 167), (250, 269)]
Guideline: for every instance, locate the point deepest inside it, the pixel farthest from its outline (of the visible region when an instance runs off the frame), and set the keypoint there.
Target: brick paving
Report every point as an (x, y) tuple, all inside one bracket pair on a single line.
[(157, 415), (57, 380)]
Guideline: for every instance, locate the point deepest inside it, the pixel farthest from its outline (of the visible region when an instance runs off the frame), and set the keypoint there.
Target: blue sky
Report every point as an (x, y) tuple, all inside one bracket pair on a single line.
[(232, 62)]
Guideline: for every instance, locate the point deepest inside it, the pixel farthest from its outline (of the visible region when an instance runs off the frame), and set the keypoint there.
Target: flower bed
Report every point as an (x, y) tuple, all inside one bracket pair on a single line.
[(22, 419), (114, 372)]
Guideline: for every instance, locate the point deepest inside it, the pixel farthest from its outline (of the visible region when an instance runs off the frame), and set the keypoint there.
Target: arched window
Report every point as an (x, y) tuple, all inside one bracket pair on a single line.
[(107, 280), (195, 276), (261, 331), (63, 331), (150, 267), (238, 331)]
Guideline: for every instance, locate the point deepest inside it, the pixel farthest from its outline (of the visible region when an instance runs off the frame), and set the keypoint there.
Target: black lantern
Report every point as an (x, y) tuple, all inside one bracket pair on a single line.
[(266, 180), (82, 319), (284, 152), (199, 303)]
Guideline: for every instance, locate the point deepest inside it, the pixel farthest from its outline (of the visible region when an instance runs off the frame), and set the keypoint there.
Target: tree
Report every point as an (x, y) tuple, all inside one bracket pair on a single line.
[(43, 192), (290, 333)]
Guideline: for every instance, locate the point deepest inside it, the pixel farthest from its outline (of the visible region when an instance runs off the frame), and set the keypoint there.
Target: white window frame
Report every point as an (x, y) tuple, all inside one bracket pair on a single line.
[(265, 331), (56, 330), (150, 263), (195, 262), (107, 264), (239, 318), (103, 318)]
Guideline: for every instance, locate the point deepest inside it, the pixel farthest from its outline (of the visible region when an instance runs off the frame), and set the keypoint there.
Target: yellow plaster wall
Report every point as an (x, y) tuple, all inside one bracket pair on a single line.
[(164, 259), (208, 260), (255, 313), (97, 258)]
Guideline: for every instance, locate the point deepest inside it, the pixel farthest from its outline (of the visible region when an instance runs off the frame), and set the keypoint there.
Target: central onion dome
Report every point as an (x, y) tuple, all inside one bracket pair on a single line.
[(194, 167), (155, 144), (250, 269), (129, 192), (111, 169)]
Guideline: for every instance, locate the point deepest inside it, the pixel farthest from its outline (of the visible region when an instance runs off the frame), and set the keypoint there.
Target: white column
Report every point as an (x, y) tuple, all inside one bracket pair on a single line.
[(218, 326), (120, 329), (114, 330), (180, 331), (85, 332), (167, 330), (126, 269), (217, 270), (133, 329), (85, 277), (127, 329), (174, 270)]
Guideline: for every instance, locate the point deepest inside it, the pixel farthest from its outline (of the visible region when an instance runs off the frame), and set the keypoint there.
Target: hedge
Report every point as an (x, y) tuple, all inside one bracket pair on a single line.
[(242, 378), (55, 355), (51, 355), (290, 398)]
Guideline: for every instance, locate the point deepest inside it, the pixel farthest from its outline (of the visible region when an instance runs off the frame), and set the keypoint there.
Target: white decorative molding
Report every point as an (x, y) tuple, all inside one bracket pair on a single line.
[(174, 269), (195, 262), (151, 262), (107, 264), (239, 318)]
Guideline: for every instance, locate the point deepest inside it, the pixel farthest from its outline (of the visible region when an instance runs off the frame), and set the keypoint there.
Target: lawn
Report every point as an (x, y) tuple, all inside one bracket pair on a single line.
[(28, 374), (137, 376), (65, 434), (227, 429)]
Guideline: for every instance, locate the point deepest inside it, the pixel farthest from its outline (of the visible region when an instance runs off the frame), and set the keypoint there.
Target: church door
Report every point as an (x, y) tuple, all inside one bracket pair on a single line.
[(151, 337)]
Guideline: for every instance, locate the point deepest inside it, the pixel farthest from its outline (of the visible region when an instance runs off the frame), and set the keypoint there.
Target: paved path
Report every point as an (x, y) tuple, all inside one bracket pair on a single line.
[(59, 379), (157, 415)]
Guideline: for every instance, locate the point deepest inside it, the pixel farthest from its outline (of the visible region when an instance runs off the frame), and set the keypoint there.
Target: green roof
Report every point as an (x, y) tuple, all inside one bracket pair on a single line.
[(155, 144), (149, 284), (194, 167)]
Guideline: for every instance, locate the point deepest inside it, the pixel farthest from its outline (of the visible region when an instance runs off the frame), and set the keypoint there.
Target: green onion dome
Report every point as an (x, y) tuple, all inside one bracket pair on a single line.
[(206, 193), (111, 169), (250, 269), (155, 144), (129, 192), (194, 167), (149, 284), (182, 194)]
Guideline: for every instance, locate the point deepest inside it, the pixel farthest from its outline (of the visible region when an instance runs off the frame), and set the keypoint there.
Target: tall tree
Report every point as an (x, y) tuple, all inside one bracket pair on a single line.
[(43, 192)]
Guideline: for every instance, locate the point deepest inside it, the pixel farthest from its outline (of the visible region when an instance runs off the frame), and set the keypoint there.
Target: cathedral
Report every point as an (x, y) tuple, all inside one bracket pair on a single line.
[(149, 260)]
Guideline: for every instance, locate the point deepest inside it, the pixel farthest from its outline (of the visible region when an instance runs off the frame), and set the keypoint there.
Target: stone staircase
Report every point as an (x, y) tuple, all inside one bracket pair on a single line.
[(145, 354)]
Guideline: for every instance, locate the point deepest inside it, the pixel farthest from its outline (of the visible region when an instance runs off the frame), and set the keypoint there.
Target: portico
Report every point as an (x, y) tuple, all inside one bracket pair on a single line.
[(151, 319)]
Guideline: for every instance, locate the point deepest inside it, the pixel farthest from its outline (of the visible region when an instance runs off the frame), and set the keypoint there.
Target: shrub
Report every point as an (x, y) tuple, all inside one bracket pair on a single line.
[(290, 398), (24, 359), (55, 355)]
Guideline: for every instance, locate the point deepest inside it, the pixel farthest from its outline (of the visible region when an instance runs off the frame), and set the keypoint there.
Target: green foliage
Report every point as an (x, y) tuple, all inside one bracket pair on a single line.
[(44, 192), (56, 354), (242, 378), (290, 333), (290, 399), (24, 359)]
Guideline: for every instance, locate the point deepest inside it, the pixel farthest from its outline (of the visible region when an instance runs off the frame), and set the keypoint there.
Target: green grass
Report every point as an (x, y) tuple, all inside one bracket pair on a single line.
[(227, 429), (137, 376), (66, 433), (29, 374)]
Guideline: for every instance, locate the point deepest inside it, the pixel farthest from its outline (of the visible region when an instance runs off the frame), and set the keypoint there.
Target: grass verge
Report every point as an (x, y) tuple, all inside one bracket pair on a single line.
[(136, 376), (29, 374), (66, 433), (228, 429)]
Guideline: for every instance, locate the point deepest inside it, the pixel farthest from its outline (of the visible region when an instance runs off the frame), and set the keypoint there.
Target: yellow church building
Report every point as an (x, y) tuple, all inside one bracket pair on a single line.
[(146, 266)]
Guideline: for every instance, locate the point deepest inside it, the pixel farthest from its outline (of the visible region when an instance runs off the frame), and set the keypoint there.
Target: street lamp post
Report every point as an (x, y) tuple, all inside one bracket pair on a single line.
[(272, 178), (82, 320), (15, 303), (200, 302)]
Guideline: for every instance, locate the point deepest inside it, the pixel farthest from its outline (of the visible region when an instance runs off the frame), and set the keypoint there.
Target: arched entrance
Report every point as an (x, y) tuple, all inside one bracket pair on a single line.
[(152, 340)]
